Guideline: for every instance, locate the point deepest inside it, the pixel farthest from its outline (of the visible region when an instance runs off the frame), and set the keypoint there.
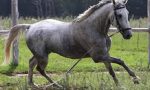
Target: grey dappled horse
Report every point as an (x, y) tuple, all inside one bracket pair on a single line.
[(73, 39)]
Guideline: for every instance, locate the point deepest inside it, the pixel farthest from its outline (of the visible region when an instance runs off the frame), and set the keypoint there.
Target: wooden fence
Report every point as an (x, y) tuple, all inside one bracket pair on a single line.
[(148, 13), (111, 30), (15, 14), (3, 32)]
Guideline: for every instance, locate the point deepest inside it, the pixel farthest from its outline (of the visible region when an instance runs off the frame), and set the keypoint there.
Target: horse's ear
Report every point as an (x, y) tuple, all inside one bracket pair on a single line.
[(114, 2), (125, 1)]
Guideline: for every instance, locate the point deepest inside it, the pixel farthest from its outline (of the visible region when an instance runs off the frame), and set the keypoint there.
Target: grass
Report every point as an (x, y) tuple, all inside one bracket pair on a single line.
[(134, 52), (82, 81)]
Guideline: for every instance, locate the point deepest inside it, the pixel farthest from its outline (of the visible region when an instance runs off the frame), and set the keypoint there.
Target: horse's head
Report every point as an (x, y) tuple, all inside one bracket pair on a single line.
[(121, 18)]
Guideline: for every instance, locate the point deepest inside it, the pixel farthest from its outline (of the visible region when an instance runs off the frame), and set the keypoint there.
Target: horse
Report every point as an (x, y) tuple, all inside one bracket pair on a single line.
[(89, 31)]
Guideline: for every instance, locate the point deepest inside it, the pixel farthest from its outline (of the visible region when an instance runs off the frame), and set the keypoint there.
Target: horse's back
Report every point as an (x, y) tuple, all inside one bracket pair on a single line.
[(49, 24), (46, 26), (53, 36)]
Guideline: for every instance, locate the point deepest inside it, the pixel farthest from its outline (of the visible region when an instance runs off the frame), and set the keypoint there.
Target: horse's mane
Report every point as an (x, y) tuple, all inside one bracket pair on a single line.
[(92, 9)]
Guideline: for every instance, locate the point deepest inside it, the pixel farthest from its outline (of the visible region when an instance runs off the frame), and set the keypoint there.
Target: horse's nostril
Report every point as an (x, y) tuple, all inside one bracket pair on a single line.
[(128, 36)]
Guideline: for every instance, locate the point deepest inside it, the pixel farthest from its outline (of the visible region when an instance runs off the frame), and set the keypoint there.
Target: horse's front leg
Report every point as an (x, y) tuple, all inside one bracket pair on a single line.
[(107, 60), (131, 73), (111, 72), (100, 55)]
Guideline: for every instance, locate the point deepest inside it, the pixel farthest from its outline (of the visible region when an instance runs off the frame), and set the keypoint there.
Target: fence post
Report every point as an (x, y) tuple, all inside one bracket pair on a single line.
[(14, 16), (148, 12)]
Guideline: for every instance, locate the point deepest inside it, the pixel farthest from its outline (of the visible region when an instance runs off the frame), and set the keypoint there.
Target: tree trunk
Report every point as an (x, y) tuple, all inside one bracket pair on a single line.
[(48, 8), (148, 12), (38, 7), (14, 15)]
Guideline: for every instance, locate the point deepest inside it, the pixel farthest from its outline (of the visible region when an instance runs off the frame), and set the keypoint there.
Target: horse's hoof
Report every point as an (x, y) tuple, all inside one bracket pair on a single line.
[(136, 80), (120, 87), (58, 85), (34, 86), (53, 85)]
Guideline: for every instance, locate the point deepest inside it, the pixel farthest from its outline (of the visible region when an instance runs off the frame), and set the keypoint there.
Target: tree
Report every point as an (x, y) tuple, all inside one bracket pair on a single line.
[(137, 8), (50, 8)]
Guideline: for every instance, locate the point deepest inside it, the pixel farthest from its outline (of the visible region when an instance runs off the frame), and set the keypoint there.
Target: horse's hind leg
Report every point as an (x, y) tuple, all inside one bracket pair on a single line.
[(32, 64), (41, 65), (111, 72), (131, 73)]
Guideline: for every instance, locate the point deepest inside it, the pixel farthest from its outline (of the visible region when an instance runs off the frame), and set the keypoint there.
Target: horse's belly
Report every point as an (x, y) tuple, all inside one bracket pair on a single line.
[(64, 44), (72, 52)]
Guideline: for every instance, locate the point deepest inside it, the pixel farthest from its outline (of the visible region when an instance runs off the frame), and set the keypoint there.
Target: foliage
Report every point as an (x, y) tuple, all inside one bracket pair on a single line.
[(137, 8), (53, 8)]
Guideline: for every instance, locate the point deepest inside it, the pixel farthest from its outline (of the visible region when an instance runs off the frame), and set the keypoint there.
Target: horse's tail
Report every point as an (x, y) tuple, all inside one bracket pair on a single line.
[(12, 35)]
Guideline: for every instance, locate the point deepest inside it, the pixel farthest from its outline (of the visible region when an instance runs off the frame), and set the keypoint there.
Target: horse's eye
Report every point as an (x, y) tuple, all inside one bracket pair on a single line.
[(119, 16)]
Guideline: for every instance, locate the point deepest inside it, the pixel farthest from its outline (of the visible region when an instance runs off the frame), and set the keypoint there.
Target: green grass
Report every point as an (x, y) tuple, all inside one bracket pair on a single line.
[(81, 81)]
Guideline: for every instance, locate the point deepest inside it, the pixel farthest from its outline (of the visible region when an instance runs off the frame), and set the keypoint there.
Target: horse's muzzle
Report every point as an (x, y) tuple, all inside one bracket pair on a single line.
[(127, 34)]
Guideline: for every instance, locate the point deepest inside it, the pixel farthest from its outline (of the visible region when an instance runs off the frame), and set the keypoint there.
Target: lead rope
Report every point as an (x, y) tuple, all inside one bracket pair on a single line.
[(69, 70), (65, 76), (113, 34)]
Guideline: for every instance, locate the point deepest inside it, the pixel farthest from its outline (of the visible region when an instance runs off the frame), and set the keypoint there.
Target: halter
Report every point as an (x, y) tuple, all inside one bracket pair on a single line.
[(117, 20)]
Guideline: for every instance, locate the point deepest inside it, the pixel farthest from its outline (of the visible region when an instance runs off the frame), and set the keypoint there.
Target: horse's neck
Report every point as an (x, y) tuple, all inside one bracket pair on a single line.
[(100, 19)]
